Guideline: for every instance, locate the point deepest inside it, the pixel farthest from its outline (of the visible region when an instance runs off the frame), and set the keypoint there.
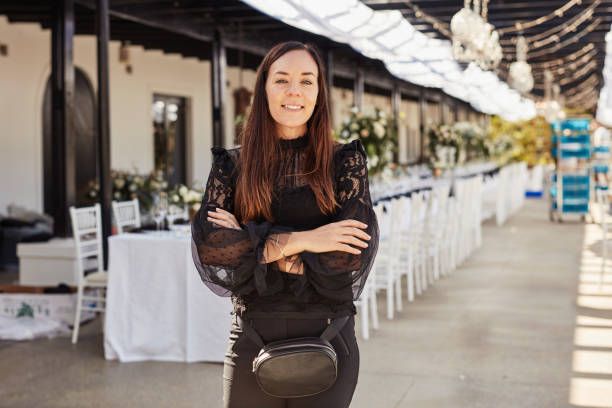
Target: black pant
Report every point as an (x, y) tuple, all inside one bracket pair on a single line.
[(240, 389)]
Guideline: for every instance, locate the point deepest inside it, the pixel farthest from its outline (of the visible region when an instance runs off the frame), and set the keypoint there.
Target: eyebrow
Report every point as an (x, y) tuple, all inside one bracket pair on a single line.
[(303, 73)]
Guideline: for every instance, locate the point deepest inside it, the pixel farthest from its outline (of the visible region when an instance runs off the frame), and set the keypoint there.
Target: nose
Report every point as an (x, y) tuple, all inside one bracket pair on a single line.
[(294, 89)]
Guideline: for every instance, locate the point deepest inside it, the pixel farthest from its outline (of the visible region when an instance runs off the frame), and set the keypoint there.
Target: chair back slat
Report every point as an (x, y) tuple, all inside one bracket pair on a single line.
[(87, 232), (126, 214)]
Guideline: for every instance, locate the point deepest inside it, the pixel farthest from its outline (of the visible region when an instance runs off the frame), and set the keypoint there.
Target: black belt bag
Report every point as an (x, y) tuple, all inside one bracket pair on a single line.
[(295, 368)]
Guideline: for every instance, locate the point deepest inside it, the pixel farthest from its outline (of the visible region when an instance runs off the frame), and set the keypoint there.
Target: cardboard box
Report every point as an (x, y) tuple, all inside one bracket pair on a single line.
[(32, 301)]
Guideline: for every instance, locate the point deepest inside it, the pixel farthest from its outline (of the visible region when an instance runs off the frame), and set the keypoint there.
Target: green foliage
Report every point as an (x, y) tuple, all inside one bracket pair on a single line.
[(377, 134), (527, 141)]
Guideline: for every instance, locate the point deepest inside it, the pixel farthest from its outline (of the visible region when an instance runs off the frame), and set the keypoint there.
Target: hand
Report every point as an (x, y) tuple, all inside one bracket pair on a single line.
[(291, 264), (346, 236), (223, 218)]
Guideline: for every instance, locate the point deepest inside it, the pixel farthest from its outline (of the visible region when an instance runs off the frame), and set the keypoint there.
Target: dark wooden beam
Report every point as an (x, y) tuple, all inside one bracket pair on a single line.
[(218, 70), (104, 140), (184, 28), (63, 115)]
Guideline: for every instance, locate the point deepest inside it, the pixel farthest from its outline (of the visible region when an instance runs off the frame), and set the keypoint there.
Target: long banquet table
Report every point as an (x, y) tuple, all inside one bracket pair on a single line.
[(157, 306)]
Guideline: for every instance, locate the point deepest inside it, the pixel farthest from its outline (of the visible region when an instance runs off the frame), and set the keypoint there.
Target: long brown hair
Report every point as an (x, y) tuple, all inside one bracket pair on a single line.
[(258, 162)]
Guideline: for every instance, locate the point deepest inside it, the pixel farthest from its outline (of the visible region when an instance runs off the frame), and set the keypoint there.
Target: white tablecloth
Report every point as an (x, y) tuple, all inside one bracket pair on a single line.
[(157, 306)]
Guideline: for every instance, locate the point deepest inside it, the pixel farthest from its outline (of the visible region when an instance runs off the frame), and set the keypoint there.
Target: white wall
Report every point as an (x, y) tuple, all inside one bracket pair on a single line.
[(23, 76)]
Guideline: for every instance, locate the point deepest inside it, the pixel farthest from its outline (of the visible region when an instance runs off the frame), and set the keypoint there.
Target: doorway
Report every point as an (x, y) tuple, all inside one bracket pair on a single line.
[(85, 143), (169, 136)]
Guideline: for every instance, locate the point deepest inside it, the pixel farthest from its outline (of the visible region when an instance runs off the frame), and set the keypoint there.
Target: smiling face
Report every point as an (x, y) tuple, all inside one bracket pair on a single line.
[(291, 90)]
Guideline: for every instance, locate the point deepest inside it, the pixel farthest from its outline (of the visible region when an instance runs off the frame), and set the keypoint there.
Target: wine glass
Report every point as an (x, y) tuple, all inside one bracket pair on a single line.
[(160, 209)]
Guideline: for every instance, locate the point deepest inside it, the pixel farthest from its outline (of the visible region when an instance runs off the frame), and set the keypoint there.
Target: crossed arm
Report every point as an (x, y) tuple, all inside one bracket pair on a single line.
[(283, 249)]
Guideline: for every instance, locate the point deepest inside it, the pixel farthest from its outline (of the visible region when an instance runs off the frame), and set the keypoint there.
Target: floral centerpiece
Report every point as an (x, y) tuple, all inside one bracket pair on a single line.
[(474, 140), (129, 185), (377, 134), (183, 196), (450, 145), (444, 145)]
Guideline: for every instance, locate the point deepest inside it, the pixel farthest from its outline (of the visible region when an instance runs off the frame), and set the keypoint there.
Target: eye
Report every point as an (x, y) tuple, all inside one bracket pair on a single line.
[(307, 82), (280, 81)]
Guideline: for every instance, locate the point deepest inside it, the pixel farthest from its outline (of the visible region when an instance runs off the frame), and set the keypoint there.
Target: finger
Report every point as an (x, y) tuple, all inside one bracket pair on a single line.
[(353, 223), (357, 233), (348, 239), (348, 248), (217, 215), (221, 210), (222, 223), (222, 214)]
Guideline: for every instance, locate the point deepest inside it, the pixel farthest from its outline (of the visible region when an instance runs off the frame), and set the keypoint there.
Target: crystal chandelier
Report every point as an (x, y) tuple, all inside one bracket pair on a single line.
[(474, 39), (520, 76)]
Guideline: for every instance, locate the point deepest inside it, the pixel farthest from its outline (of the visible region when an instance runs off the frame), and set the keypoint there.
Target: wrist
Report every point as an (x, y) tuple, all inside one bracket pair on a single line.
[(295, 244)]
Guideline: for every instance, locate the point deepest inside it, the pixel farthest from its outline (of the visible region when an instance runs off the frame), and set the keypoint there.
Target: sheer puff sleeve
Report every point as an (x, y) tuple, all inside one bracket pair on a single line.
[(231, 261), (341, 275)]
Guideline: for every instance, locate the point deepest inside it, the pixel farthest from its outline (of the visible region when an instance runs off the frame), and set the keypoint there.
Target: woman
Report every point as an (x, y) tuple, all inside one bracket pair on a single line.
[(287, 228)]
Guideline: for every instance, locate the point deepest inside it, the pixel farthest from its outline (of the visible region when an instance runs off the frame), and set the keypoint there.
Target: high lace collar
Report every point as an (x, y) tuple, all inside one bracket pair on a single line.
[(296, 143)]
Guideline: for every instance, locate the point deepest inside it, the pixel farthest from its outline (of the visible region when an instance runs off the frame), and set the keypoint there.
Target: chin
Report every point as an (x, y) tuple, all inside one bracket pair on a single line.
[(292, 123)]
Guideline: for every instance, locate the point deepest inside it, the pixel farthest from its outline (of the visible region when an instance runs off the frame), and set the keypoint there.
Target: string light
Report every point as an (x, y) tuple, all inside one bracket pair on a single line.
[(591, 82), (438, 24), (569, 26), (588, 51), (570, 69), (567, 42), (580, 73), (584, 54), (524, 25)]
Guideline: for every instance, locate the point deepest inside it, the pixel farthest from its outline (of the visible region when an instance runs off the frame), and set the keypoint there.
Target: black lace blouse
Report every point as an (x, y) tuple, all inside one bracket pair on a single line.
[(235, 262)]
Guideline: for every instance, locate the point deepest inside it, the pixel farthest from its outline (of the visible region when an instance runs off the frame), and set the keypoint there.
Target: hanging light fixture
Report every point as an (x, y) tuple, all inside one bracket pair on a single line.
[(124, 56), (473, 38), (552, 105), (520, 76)]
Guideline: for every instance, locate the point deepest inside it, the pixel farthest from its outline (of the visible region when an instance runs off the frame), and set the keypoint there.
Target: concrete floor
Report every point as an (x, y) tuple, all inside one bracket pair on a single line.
[(501, 331)]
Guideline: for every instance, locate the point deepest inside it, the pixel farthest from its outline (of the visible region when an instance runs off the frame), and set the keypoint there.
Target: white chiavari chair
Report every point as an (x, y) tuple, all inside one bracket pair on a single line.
[(87, 231)]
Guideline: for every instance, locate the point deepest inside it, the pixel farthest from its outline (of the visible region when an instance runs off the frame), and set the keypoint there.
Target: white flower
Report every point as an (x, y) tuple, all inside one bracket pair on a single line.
[(345, 133), (379, 130), (175, 198), (183, 190), (354, 109), (119, 183), (354, 136), (374, 161), (193, 197), (354, 126), (133, 187)]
